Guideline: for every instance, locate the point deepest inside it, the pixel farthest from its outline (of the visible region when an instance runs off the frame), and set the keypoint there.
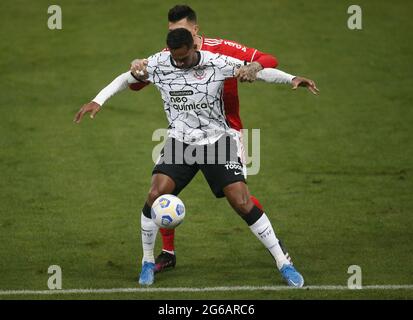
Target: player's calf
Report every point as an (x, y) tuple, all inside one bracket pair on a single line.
[(258, 222), (256, 202), (161, 184), (239, 198)]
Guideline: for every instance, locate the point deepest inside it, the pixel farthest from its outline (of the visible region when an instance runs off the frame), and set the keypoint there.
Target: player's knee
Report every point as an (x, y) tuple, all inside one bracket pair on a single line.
[(154, 194), (242, 204)]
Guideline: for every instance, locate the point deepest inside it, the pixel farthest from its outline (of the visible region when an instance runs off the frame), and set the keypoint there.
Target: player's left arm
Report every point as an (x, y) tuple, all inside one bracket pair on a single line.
[(257, 60), (229, 67), (278, 76)]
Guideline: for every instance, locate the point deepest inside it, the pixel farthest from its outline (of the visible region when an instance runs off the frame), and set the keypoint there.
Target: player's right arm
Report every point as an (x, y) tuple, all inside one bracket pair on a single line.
[(120, 83), (138, 69)]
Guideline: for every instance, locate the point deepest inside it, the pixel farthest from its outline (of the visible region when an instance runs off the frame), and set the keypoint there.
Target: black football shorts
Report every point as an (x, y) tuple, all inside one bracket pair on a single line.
[(219, 162)]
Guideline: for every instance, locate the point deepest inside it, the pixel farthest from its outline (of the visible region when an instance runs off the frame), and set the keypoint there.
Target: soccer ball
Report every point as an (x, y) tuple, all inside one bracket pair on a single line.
[(168, 211)]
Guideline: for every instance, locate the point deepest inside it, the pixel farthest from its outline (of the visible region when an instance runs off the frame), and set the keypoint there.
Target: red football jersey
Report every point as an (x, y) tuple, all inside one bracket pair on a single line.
[(230, 95), (241, 52)]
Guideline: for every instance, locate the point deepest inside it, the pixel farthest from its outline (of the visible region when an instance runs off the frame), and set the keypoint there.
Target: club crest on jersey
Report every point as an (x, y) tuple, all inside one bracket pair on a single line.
[(199, 74)]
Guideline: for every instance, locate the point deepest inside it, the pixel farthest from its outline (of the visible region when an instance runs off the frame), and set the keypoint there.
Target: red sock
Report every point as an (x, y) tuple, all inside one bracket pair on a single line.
[(256, 202), (168, 237)]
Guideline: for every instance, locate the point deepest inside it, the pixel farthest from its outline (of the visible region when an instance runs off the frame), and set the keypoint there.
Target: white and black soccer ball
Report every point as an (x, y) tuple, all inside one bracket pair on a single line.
[(168, 211)]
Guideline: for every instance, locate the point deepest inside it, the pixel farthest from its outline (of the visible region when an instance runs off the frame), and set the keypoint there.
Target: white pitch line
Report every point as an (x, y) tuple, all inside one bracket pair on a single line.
[(206, 289)]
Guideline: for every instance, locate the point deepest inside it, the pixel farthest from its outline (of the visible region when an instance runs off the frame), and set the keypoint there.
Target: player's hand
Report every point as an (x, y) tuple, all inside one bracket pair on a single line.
[(91, 107), (138, 68), (303, 82), (248, 72)]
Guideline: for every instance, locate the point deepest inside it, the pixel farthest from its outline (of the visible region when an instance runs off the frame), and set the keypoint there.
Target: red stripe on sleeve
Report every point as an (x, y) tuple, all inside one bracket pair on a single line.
[(137, 86)]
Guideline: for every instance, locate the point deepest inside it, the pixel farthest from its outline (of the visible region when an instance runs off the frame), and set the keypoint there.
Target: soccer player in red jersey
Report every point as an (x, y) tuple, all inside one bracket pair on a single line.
[(182, 16)]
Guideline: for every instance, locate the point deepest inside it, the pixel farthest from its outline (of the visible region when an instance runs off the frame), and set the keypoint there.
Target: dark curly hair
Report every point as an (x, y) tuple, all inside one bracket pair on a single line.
[(178, 38), (180, 12)]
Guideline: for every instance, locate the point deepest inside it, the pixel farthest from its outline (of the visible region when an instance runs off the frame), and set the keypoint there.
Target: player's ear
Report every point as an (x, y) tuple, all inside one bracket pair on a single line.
[(195, 30)]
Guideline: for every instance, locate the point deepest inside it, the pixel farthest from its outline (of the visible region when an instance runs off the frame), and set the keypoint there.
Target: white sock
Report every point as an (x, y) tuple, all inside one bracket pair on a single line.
[(149, 231), (263, 230)]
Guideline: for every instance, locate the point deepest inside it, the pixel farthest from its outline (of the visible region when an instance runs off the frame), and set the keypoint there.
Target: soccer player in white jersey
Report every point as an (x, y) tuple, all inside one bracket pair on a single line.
[(183, 16), (191, 84)]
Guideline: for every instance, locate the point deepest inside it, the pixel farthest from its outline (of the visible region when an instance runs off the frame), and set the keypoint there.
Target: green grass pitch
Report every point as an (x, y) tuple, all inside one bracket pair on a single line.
[(336, 169)]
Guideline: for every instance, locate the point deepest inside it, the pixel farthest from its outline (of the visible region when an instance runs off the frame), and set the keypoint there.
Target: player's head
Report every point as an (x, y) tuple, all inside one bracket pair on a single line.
[(181, 45), (182, 16)]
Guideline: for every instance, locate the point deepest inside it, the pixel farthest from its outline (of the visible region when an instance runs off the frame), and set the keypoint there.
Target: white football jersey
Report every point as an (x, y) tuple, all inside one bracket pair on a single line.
[(193, 97)]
